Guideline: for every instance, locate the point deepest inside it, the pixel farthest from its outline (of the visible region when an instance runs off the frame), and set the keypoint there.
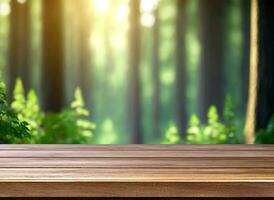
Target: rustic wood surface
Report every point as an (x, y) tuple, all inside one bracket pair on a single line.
[(137, 171)]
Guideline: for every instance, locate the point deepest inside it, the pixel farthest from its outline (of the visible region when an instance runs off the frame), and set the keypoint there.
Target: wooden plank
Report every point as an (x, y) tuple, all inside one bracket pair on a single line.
[(137, 154), (137, 174), (126, 190), (137, 162), (132, 147)]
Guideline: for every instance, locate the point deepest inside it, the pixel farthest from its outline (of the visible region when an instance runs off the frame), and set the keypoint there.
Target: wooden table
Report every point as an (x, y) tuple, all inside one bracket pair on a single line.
[(137, 171)]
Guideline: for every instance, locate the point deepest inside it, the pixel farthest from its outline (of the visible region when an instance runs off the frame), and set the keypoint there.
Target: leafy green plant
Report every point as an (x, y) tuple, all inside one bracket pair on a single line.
[(12, 130), (232, 129), (172, 135), (211, 133), (82, 114), (28, 109), (266, 136), (71, 126), (215, 131), (195, 131)]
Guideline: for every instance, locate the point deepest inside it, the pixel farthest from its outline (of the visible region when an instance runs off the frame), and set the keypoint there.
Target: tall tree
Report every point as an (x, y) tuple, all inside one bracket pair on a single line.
[(245, 8), (52, 44), (84, 49), (135, 109), (261, 96), (250, 123), (180, 81), (19, 44), (110, 61), (156, 77), (212, 21)]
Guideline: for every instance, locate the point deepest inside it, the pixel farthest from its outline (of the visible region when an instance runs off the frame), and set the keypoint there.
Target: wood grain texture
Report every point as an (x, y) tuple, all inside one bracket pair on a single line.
[(137, 171)]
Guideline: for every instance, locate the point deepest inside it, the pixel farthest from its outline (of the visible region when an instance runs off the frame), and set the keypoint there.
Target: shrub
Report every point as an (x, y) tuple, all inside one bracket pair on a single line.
[(172, 135), (71, 126), (12, 130), (211, 133), (214, 131), (28, 109), (232, 130)]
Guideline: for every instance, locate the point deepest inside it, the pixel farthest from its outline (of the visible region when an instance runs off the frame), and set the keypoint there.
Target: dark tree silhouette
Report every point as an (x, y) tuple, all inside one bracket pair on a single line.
[(180, 81), (19, 44), (52, 44), (134, 73), (245, 7), (265, 89), (212, 21)]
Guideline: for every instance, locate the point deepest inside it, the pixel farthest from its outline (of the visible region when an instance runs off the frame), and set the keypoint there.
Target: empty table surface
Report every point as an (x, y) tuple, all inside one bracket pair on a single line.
[(136, 170)]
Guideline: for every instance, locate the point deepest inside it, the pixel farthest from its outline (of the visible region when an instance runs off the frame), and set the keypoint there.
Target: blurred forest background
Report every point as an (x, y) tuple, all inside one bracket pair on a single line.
[(138, 71)]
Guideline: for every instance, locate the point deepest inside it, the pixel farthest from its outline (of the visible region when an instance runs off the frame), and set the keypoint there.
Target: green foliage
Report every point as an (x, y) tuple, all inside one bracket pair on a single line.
[(172, 135), (12, 130), (211, 133), (266, 136), (214, 131), (19, 100), (195, 131), (34, 115), (28, 109), (231, 127), (71, 126)]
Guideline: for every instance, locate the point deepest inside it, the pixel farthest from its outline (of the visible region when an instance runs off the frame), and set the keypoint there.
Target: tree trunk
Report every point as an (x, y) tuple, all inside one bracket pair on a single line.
[(212, 20), (246, 51), (19, 44), (135, 110), (265, 89), (52, 68), (156, 78), (109, 64), (261, 96), (84, 48), (180, 81), (253, 73)]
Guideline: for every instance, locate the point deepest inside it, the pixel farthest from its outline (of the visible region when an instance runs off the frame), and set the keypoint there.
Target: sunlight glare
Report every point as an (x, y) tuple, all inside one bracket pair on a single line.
[(21, 1), (147, 19), (122, 12), (148, 6), (101, 6), (147, 9), (4, 9)]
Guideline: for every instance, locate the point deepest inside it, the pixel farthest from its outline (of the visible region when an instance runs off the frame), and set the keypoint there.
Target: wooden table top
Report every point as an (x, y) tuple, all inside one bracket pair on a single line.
[(136, 170)]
